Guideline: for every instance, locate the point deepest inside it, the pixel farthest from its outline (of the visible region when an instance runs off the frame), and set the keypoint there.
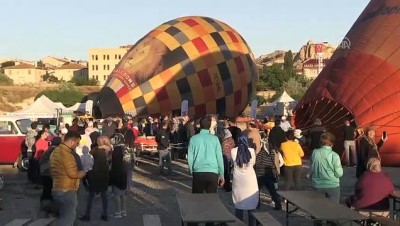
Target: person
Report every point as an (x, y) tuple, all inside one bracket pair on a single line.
[(98, 177), (30, 138), (267, 168), (292, 154), (227, 145), (119, 175), (326, 169), (315, 134), (235, 131), (349, 134), (372, 191), (109, 127), (66, 178), (254, 137), (162, 140), (46, 199), (245, 192), (205, 160), (285, 125), (367, 148), (276, 136)]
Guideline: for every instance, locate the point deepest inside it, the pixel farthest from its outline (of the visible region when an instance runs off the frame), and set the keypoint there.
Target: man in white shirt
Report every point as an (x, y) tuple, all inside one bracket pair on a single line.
[(285, 125)]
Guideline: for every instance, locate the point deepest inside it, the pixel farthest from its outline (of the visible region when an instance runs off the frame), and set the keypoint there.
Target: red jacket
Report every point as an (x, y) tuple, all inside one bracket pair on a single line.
[(372, 191)]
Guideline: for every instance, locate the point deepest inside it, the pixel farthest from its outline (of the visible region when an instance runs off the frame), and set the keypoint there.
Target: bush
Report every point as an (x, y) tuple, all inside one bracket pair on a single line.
[(79, 81), (66, 93), (5, 81)]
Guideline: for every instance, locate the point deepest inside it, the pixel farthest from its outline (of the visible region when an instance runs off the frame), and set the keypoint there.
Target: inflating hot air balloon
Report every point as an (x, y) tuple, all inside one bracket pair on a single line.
[(362, 80), (198, 59)]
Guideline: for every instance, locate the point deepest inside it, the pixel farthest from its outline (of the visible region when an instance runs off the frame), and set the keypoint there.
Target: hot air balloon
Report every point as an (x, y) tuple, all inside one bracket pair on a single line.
[(196, 59), (361, 80)]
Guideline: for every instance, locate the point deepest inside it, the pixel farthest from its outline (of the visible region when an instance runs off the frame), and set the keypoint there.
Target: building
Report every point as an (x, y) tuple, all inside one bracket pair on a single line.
[(70, 70), (25, 73), (102, 61), (52, 62), (310, 67)]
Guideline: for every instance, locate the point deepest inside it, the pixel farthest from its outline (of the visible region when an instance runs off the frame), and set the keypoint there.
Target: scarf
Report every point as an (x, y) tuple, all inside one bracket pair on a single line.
[(243, 153)]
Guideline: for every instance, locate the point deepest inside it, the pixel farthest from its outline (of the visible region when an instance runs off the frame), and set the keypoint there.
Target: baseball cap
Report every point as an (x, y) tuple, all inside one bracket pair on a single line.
[(64, 131)]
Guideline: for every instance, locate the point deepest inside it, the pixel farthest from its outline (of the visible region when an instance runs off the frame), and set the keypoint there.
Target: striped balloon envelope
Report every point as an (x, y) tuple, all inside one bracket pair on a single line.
[(361, 82), (198, 59)]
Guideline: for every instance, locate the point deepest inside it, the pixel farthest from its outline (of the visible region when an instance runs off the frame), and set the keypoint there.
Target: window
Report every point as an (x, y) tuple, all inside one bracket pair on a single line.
[(119, 57), (97, 67), (29, 72), (97, 77), (93, 67), (116, 56), (104, 77), (104, 67), (23, 125), (92, 57), (92, 76), (108, 57), (108, 67), (7, 127), (104, 57), (97, 58)]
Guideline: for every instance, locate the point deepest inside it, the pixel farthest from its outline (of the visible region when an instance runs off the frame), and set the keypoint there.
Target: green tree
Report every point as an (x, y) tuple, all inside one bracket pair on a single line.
[(5, 80), (66, 93), (288, 61), (80, 81)]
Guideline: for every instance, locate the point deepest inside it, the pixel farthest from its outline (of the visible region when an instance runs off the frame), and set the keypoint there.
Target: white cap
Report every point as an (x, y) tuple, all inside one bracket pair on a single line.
[(283, 118)]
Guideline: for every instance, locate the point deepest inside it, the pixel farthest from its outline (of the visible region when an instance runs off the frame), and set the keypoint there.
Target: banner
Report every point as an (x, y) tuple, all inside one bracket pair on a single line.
[(254, 105), (184, 108)]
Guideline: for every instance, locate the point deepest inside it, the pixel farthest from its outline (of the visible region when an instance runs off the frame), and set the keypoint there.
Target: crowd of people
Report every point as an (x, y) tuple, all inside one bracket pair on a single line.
[(218, 153)]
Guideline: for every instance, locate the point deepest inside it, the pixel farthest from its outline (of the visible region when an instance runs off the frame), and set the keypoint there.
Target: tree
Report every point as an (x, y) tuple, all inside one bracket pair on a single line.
[(80, 81), (288, 61), (49, 78), (66, 93), (5, 80)]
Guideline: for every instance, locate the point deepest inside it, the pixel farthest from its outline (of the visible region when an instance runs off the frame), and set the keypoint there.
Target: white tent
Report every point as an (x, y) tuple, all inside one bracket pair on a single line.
[(43, 105), (284, 105), (82, 107)]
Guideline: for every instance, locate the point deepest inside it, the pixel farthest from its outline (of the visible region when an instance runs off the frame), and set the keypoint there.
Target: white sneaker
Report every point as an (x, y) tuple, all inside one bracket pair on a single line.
[(123, 214)]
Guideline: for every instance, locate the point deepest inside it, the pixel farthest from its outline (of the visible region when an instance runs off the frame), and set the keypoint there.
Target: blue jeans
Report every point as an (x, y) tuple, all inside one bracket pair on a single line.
[(331, 193), (67, 202), (164, 161), (90, 202), (240, 215)]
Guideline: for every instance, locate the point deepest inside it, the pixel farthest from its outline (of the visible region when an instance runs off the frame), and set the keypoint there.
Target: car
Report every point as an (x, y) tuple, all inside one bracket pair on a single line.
[(12, 139)]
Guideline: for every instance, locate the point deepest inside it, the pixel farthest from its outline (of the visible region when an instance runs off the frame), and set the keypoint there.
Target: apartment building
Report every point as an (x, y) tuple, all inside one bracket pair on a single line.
[(102, 62)]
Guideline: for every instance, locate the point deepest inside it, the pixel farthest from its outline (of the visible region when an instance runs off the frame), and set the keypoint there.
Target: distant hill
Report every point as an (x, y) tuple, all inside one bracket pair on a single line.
[(306, 52), (14, 98)]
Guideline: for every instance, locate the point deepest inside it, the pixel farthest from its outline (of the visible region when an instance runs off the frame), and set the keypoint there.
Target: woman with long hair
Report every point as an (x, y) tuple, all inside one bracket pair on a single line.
[(119, 175), (245, 192), (97, 178)]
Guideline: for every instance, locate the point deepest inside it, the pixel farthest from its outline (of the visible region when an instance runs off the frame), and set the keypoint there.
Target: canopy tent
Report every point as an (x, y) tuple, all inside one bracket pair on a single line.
[(284, 105), (43, 105), (82, 107)]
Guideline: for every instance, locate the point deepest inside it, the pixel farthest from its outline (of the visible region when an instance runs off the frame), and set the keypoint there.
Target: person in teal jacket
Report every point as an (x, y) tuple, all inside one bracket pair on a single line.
[(205, 160), (326, 169)]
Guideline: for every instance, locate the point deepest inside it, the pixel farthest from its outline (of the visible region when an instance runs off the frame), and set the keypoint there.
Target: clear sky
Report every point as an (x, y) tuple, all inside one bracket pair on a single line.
[(33, 29)]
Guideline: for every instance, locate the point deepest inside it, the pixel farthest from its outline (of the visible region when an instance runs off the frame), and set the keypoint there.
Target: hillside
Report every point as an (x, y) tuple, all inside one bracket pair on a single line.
[(13, 98)]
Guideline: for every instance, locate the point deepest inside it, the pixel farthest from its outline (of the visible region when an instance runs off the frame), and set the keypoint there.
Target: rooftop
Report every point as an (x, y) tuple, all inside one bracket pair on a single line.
[(71, 66)]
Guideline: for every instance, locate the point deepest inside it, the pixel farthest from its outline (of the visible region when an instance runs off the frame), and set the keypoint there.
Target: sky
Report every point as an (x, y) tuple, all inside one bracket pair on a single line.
[(33, 29)]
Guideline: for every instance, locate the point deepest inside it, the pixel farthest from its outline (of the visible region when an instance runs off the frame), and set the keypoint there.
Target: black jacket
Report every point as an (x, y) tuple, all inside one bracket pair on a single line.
[(119, 169), (365, 151), (162, 139), (276, 137), (98, 176)]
